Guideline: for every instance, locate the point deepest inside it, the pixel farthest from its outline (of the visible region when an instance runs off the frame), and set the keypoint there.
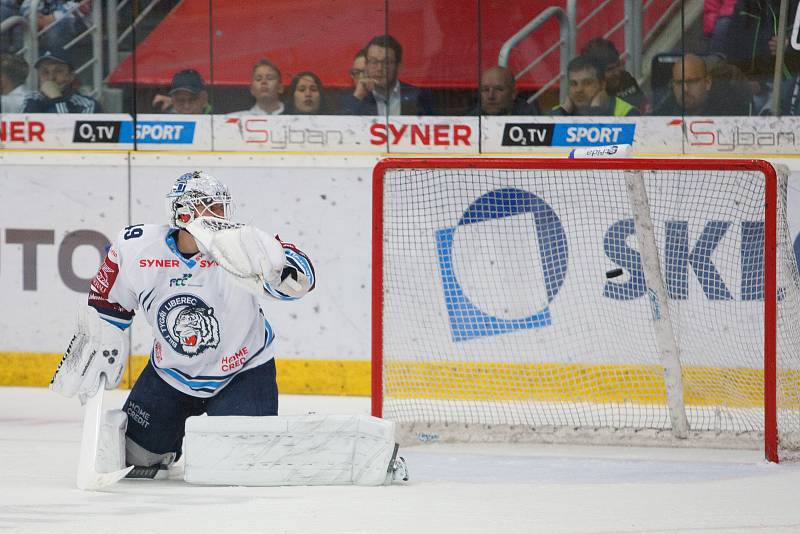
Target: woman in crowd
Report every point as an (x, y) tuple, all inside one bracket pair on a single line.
[(306, 95)]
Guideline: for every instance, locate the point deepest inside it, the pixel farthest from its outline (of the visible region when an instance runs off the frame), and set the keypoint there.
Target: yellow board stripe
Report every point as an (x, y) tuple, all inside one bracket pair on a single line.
[(640, 384), (295, 376)]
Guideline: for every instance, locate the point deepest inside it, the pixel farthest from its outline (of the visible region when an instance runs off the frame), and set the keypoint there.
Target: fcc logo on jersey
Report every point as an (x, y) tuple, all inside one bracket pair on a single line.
[(188, 325)]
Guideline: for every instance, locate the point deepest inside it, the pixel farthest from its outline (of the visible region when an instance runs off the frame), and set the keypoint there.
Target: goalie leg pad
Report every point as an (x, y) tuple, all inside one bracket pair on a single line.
[(309, 450), (111, 442)]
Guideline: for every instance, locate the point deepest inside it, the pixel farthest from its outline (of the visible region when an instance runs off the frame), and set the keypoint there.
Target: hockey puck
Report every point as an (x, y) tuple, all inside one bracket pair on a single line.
[(613, 273)]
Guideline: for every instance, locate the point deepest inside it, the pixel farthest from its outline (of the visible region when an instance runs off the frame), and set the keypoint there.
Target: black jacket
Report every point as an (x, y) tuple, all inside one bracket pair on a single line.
[(519, 107), (413, 101), (724, 98), (69, 103)]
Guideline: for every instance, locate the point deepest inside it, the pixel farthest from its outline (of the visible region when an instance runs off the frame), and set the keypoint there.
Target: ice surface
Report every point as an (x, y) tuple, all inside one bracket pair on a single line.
[(453, 488)]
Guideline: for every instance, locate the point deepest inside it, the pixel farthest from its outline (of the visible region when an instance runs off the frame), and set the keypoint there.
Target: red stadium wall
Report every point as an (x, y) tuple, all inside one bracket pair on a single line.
[(446, 42)]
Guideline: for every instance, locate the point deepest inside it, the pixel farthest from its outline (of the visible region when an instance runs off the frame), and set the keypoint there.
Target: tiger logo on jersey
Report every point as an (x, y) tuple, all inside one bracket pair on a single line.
[(197, 329), (188, 325)]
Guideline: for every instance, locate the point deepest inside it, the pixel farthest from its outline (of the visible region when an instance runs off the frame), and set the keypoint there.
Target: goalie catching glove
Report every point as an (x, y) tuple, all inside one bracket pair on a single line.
[(97, 348), (256, 259)]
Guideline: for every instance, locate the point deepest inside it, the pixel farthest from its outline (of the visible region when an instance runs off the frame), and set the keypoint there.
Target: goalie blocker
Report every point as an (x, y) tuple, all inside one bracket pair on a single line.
[(310, 450)]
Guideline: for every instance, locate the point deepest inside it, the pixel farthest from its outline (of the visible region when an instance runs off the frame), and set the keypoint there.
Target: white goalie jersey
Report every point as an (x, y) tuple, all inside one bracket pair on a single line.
[(206, 329)]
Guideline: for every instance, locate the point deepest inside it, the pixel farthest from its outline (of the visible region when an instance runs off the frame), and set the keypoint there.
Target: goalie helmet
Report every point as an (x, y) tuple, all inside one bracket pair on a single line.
[(195, 193)]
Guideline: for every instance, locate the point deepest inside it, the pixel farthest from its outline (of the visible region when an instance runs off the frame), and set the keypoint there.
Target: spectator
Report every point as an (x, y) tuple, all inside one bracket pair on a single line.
[(717, 15), (13, 73), (56, 94), (266, 88), (498, 94), (356, 72), (791, 58), (728, 81), (306, 95), (359, 67), (61, 20), (587, 93), (8, 8), (187, 95), (380, 92), (11, 40), (694, 92), (619, 82), (790, 97), (749, 43)]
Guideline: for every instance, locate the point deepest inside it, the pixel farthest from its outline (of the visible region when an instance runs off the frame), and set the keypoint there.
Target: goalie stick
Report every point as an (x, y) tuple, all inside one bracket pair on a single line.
[(88, 477)]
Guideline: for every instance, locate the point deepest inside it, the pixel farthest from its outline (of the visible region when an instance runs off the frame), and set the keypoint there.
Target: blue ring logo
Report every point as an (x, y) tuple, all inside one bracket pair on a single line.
[(467, 321)]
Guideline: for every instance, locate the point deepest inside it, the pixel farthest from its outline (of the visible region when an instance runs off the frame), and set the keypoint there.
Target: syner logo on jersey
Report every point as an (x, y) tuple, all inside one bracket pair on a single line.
[(188, 325)]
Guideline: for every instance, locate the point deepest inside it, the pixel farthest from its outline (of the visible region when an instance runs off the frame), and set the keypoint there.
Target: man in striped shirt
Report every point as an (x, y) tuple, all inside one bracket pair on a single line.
[(56, 95)]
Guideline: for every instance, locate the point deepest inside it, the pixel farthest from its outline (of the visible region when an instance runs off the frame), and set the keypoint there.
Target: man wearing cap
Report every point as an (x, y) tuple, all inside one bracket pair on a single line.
[(55, 94), (187, 94)]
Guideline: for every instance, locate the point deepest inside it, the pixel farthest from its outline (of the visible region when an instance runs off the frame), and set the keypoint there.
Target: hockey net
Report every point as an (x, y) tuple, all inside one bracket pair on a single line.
[(636, 300)]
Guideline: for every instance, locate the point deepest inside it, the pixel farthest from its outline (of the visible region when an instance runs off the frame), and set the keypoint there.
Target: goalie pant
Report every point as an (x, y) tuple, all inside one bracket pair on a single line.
[(206, 329)]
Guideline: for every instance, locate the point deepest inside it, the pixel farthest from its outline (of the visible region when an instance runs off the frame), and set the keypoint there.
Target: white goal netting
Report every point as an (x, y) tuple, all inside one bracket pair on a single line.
[(499, 318)]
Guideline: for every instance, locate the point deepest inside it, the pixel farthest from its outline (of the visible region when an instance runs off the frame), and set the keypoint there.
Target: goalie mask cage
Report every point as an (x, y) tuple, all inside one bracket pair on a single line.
[(647, 301)]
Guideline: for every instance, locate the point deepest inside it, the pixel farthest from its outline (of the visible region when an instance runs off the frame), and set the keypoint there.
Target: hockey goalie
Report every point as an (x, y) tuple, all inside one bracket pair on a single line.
[(200, 283)]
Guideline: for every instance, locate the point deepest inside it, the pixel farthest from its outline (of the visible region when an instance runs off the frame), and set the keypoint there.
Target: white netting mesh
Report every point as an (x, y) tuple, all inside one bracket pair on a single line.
[(497, 309)]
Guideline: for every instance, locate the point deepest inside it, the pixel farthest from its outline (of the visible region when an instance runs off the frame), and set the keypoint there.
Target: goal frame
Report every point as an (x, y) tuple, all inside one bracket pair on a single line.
[(619, 164)]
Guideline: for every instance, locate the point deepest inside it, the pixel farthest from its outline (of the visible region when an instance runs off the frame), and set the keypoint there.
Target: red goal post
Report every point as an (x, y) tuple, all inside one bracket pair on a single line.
[(472, 340)]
